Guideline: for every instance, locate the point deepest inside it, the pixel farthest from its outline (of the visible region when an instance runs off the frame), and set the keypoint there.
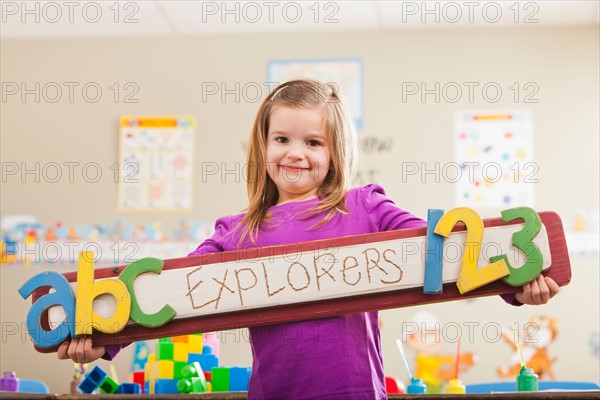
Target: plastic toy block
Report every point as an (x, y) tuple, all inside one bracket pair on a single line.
[(195, 344), (180, 339), (149, 387), (238, 379), (177, 367), (87, 386), (138, 377), (9, 382), (193, 370), (164, 350), (211, 339), (108, 385), (150, 371), (92, 380), (163, 369), (208, 376), (207, 361), (192, 385), (180, 351), (165, 386), (220, 379), (97, 374), (129, 388), (151, 357), (206, 349)]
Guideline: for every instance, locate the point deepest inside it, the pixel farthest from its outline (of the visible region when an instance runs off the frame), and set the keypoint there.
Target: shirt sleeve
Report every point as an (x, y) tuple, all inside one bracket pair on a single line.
[(220, 239), (112, 351), (511, 299), (384, 213)]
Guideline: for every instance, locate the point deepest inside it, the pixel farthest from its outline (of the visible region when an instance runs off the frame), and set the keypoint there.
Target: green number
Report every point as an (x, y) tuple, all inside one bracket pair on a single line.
[(522, 240)]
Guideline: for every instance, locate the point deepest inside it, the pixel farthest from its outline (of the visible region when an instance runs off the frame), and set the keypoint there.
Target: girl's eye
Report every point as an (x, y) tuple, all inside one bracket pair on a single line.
[(313, 143), (281, 139)]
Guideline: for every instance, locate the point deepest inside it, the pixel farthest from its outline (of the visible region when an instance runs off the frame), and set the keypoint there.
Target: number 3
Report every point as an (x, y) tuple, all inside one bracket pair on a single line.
[(522, 240)]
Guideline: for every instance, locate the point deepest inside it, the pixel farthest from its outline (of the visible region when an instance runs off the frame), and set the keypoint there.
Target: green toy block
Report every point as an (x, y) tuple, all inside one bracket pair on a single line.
[(193, 370), (108, 386), (192, 385), (178, 366), (164, 350), (220, 379)]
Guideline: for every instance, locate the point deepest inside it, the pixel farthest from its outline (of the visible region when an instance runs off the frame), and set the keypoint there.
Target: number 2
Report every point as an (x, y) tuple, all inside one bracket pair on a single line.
[(470, 277)]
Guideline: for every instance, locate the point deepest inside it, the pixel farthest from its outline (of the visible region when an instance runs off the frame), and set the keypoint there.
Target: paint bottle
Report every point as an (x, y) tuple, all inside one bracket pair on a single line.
[(527, 381), (9, 382), (416, 386), (454, 386)]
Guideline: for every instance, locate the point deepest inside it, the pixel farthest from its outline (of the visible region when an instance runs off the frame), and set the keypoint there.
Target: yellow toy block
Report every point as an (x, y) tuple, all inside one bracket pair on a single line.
[(151, 386), (163, 369), (180, 339), (195, 344), (209, 387), (151, 357), (149, 372), (180, 351)]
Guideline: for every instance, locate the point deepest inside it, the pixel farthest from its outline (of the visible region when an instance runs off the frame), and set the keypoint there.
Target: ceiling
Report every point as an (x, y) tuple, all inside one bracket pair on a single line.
[(48, 19)]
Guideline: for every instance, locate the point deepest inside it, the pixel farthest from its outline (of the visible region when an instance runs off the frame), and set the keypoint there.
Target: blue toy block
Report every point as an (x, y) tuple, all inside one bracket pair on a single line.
[(87, 386), (92, 380), (238, 379), (97, 374), (166, 386), (146, 387), (207, 361), (129, 388), (206, 349)]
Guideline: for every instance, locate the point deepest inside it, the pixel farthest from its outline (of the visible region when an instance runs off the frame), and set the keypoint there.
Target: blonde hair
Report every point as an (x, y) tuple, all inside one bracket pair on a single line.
[(342, 143)]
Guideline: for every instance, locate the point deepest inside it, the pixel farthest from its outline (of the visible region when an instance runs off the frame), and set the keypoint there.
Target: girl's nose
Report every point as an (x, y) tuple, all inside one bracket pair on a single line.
[(295, 153)]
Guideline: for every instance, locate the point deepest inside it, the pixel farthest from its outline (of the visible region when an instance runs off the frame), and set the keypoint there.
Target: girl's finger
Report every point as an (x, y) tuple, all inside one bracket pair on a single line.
[(61, 353), (544, 290), (535, 292), (87, 350), (526, 295), (552, 286)]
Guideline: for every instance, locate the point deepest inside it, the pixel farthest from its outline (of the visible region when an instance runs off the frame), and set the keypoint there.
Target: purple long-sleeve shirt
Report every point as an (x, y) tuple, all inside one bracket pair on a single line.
[(330, 358)]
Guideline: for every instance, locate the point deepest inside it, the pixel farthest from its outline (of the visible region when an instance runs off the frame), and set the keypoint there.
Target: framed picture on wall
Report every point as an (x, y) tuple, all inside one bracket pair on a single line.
[(156, 163), (346, 74)]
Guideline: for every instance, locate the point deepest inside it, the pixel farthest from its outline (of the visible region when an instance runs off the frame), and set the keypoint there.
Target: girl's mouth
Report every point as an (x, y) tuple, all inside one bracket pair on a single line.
[(293, 168)]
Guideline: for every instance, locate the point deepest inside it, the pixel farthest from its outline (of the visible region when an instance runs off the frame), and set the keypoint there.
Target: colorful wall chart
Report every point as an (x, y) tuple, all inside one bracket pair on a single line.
[(494, 151), (347, 74), (156, 163)]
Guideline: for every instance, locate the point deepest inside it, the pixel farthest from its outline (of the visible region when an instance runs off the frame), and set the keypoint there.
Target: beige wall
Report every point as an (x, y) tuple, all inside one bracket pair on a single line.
[(170, 72)]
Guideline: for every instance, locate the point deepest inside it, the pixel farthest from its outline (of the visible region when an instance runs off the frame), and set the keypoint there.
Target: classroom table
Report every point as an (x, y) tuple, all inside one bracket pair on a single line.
[(549, 395)]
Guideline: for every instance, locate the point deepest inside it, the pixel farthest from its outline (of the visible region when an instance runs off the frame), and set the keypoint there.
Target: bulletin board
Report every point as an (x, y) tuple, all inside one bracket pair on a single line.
[(156, 157), (347, 74), (493, 150)]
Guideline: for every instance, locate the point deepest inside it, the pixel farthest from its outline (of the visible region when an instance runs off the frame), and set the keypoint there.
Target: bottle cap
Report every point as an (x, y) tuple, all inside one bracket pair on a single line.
[(416, 386), (455, 386), (527, 381)]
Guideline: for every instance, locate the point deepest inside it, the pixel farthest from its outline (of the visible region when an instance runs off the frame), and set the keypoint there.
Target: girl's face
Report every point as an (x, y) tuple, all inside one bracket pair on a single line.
[(297, 152)]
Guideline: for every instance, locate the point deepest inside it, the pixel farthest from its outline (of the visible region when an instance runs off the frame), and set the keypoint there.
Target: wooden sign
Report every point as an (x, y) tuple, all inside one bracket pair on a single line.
[(228, 290)]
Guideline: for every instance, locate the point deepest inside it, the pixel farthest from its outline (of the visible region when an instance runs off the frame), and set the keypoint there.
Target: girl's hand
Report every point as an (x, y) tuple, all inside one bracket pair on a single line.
[(538, 291), (80, 350)]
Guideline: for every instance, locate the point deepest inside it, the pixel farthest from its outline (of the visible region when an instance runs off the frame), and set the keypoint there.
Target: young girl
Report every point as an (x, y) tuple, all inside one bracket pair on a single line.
[(301, 158)]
